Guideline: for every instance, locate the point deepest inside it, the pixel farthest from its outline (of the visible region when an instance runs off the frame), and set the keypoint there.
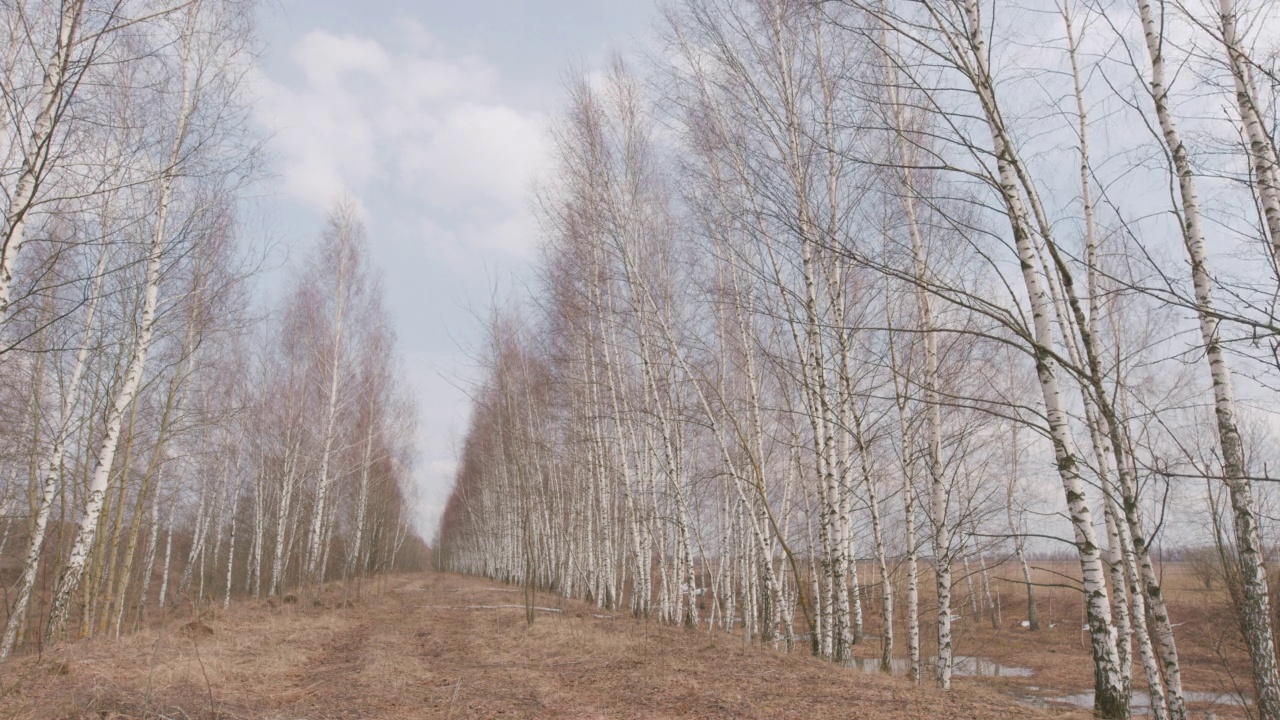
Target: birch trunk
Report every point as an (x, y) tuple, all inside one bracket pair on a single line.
[(51, 468), (968, 576), (38, 147), (1262, 149), (886, 582), (933, 409), (231, 550), (149, 564), (1110, 698), (154, 467), (283, 514), (330, 426), (168, 555), (1256, 604), (195, 555), (909, 518), (110, 550), (362, 502), (1019, 543), (69, 580), (253, 583)]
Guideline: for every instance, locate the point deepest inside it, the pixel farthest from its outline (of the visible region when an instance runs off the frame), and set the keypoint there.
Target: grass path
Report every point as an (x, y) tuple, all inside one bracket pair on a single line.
[(412, 649)]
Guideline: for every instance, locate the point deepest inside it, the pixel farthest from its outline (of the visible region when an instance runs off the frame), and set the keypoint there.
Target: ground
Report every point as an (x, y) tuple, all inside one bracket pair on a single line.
[(1215, 667), (410, 647)]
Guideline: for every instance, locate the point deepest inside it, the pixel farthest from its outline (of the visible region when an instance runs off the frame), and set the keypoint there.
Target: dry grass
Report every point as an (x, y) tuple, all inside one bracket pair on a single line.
[(1213, 657), (411, 650)]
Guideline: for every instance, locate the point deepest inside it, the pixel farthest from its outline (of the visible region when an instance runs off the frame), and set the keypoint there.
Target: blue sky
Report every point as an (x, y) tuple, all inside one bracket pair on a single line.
[(434, 116)]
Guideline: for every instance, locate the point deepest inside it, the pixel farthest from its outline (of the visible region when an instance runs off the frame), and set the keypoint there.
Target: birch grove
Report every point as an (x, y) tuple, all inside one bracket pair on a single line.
[(168, 437), (859, 328), (836, 294)]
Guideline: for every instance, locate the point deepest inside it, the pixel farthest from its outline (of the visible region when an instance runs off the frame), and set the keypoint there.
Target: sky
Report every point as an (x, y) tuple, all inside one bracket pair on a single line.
[(434, 116)]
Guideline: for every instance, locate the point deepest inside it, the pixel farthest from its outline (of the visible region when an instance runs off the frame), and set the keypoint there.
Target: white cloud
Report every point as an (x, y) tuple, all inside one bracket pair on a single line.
[(408, 120), (423, 140), (327, 59), (478, 151)]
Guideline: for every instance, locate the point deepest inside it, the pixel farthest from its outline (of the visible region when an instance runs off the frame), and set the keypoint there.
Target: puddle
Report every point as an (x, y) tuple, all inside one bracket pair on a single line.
[(1140, 704), (975, 666), (963, 666)]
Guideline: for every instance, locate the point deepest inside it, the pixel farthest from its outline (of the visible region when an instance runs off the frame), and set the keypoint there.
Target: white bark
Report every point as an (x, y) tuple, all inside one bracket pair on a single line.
[(1256, 606), (253, 579), (1015, 529), (231, 549), (149, 564), (331, 419), (909, 513), (283, 514), (1110, 698), (168, 555), (933, 410), (51, 467), (196, 555), (38, 147), (362, 502), (69, 580), (1262, 149)]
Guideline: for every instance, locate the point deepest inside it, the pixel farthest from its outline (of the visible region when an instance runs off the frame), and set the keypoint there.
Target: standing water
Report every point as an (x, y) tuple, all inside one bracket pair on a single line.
[(964, 666)]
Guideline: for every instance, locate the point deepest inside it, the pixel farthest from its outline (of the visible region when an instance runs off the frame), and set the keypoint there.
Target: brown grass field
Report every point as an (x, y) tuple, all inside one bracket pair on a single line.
[(1213, 657), (410, 649)]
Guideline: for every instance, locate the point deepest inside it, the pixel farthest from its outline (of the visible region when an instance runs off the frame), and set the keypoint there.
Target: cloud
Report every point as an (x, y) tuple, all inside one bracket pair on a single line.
[(442, 166), (405, 119), (478, 151)]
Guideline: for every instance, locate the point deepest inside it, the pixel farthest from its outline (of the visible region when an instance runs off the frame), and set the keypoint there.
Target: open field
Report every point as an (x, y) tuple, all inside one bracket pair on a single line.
[(1214, 660), (411, 649)]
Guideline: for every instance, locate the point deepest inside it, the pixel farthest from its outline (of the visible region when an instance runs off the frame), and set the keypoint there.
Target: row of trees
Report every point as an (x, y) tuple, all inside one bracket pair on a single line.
[(160, 441), (851, 284)]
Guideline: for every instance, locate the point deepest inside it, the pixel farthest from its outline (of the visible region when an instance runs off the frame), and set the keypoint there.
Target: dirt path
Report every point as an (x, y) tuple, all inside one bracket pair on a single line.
[(412, 649)]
